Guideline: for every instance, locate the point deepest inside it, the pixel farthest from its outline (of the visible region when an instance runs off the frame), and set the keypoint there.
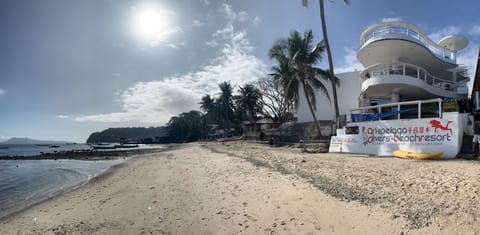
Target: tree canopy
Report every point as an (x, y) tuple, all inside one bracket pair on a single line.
[(296, 58)]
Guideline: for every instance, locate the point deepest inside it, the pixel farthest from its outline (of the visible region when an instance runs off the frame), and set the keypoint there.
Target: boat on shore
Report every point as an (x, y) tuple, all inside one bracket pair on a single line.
[(229, 139), (127, 145), (417, 155)]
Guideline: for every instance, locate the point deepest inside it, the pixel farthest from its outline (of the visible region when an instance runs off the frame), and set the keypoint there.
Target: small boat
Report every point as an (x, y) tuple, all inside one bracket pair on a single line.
[(229, 139), (103, 146), (54, 146), (417, 155), (127, 145)]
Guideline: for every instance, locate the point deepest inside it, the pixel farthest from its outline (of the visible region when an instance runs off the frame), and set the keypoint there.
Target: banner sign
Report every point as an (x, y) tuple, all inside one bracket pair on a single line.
[(413, 135)]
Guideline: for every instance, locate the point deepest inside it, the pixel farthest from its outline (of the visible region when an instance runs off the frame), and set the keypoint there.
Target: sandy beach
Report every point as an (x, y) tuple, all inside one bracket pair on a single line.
[(244, 188)]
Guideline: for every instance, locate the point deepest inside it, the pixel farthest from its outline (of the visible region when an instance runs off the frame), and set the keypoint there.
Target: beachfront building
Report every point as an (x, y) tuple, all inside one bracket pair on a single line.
[(405, 99)]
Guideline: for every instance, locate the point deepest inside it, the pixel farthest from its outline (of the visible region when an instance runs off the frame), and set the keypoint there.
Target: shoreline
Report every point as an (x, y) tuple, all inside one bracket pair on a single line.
[(250, 188), (130, 154), (85, 154), (58, 193)]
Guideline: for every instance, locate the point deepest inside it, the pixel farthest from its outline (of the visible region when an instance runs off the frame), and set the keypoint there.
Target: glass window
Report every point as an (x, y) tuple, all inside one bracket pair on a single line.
[(409, 111), (429, 80), (411, 71), (429, 110), (422, 75)]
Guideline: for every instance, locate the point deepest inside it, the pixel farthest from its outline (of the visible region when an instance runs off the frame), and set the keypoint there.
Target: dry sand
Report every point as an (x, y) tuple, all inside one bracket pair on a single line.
[(215, 189)]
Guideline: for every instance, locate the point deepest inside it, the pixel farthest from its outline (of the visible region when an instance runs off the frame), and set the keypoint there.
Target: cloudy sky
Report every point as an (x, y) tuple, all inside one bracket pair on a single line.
[(68, 68)]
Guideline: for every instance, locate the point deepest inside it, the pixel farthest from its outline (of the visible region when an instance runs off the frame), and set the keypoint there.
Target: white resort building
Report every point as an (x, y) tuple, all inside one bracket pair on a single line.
[(405, 101)]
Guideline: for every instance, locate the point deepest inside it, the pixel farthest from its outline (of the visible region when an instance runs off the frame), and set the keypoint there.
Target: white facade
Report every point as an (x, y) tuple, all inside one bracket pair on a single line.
[(404, 102), (348, 98), (401, 64)]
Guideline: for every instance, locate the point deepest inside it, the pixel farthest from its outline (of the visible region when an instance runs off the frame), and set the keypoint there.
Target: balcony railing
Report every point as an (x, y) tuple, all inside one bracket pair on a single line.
[(395, 31), (402, 110), (409, 70)]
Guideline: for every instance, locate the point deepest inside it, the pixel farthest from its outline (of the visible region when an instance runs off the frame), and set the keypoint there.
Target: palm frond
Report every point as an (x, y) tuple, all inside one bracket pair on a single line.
[(325, 74)]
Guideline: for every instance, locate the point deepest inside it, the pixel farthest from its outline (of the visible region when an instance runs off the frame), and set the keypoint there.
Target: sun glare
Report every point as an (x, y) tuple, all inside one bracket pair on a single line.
[(151, 22)]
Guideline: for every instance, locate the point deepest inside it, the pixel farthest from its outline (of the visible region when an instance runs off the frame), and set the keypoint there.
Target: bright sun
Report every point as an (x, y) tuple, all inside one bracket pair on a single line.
[(151, 22)]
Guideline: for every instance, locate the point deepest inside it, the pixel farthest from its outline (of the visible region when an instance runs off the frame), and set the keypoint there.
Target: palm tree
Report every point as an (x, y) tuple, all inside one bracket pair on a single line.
[(208, 106), (296, 57), (329, 53), (225, 104), (249, 102)]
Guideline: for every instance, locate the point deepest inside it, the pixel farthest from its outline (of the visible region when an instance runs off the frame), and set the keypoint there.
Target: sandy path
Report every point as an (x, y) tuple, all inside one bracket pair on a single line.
[(194, 191)]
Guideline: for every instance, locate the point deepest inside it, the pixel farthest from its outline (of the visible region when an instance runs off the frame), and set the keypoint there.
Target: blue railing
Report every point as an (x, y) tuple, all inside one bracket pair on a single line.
[(402, 110)]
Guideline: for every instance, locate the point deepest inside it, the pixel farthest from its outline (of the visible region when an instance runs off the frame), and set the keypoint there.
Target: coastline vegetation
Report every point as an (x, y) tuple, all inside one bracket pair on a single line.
[(271, 97)]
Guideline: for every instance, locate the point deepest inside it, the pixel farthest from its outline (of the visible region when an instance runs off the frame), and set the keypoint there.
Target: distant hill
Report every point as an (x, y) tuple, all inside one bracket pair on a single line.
[(16, 140), (126, 134)]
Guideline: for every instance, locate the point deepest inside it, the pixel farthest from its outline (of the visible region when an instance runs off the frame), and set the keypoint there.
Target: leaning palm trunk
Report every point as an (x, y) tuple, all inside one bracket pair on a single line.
[(330, 61), (312, 111)]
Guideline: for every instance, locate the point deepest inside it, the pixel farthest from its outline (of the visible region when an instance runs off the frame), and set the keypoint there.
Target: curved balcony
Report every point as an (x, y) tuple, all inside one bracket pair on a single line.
[(414, 81), (404, 31)]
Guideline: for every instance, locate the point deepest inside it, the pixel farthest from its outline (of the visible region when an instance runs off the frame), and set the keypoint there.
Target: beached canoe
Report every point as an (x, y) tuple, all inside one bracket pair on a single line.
[(417, 155)]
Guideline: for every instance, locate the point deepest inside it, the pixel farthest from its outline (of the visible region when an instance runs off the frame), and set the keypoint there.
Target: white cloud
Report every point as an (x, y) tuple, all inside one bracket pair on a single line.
[(350, 61), (162, 38), (206, 2), (391, 19), (232, 15), (62, 116), (212, 43), (256, 21), (242, 16), (3, 138), (171, 45), (198, 23), (443, 32), (475, 30), (155, 102)]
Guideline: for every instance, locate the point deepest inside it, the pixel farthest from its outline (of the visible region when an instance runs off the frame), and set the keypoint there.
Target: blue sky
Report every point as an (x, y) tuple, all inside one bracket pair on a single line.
[(68, 68)]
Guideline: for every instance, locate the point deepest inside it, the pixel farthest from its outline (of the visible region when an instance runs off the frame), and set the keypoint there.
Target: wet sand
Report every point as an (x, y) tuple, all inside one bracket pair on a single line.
[(253, 189)]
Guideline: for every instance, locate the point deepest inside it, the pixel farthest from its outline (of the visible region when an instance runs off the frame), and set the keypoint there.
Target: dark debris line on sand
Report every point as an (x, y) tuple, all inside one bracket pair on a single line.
[(395, 195)]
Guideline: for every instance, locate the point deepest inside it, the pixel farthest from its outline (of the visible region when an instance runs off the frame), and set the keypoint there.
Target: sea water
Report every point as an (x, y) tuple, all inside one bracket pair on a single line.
[(31, 149), (26, 182)]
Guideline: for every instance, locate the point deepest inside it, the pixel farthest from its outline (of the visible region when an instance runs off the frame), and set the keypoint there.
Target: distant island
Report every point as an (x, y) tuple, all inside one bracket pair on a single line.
[(24, 140), (144, 135)]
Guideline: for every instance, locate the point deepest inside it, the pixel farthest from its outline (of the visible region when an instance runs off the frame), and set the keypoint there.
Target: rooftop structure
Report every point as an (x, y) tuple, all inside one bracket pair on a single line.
[(403, 64)]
